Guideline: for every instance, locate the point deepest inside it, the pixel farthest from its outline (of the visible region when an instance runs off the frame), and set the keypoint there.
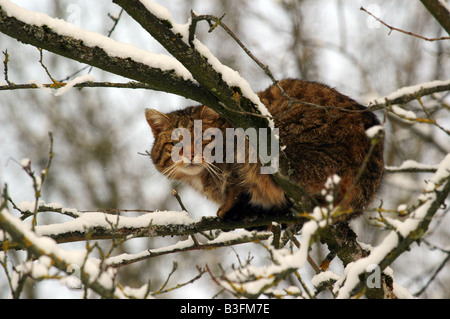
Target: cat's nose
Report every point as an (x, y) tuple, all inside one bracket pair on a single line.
[(193, 157), (190, 156)]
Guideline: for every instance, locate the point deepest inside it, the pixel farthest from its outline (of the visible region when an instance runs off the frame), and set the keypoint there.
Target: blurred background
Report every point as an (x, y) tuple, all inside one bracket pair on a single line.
[(100, 134)]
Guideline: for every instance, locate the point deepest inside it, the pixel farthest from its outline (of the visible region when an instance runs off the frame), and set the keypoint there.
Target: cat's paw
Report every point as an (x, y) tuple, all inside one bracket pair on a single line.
[(221, 213)]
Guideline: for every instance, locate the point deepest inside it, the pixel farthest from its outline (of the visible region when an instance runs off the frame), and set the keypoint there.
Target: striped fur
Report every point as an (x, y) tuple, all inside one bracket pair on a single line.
[(321, 136)]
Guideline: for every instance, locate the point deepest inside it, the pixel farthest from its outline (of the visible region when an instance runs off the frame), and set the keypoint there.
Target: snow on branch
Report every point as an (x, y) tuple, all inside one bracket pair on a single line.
[(160, 71), (231, 90), (92, 39), (410, 166), (247, 280), (410, 93), (403, 233), (224, 239), (192, 72), (251, 281), (407, 94), (101, 281)]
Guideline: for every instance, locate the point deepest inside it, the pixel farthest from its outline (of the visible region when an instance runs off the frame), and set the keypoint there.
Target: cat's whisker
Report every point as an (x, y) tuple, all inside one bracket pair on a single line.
[(216, 169), (171, 170), (215, 172)]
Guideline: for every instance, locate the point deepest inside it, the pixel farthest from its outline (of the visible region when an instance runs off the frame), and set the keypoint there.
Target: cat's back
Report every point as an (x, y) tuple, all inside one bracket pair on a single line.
[(315, 114), (324, 132), (301, 99)]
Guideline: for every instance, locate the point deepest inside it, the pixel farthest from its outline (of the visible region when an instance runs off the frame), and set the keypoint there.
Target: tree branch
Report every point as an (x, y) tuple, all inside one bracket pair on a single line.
[(97, 280), (403, 233), (125, 85), (187, 245), (108, 226), (78, 49), (439, 12), (403, 31), (410, 93), (200, 67)]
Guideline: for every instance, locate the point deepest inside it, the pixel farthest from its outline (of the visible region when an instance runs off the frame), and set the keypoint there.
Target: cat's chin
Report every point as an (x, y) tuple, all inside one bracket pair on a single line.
[(191, 169)]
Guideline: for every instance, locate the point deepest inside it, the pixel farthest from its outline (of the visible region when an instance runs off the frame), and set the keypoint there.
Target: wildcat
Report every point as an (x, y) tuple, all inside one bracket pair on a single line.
[(324, 133)]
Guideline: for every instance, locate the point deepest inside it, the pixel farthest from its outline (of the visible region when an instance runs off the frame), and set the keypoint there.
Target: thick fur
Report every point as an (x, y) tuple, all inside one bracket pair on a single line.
[(324, 134)]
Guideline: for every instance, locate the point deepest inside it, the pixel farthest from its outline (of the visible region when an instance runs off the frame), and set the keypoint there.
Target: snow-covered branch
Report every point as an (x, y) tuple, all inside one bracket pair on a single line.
[(99, 225), (403, 233), (205, 68), (360, 263), (410, 93), (93, 276), (160, 71)]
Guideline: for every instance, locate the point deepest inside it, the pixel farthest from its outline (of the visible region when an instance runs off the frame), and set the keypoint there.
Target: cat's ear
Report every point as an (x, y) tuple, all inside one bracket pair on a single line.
[(209, 114), (157, 120)]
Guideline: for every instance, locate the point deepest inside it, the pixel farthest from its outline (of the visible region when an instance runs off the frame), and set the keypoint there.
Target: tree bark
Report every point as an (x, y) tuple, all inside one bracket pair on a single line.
[(439, 12)]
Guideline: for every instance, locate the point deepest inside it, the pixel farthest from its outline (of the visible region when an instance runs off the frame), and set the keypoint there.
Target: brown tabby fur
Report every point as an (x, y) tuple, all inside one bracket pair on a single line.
[(320, 138)]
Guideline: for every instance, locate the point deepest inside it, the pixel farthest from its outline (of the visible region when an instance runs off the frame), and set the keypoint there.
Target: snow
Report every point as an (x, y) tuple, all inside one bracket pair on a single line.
[(38, 84), (230, 76), (122, 50), (409, 90), (49, 247), (92, 39), (25, 162), (98, 219), (233, 78), (323, 277), (283, 260), (71, 84), (138, 293), (230, 236), (401, 292), (354, 269), (403, 113), (373, 131), (442, 172), (402, 228), (27, 206), (183, 244), (158, 10), (411, 164), (308, 231)]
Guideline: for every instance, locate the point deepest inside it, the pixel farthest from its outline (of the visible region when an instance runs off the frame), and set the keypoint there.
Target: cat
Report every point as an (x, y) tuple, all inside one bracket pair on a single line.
[(324, 134)]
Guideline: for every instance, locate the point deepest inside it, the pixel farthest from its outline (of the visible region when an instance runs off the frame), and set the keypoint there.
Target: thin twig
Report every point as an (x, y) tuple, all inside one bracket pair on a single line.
[(403, 31), (5, 67), (126, 85), (41, 61), (178, 198)]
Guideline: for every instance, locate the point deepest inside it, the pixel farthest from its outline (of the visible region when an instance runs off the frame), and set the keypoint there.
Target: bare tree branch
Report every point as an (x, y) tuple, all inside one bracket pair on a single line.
[(126, 85), (403, 31), (439, 11)]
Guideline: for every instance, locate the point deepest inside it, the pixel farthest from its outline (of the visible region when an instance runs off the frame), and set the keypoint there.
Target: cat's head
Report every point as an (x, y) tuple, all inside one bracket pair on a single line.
[(179, 137)]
